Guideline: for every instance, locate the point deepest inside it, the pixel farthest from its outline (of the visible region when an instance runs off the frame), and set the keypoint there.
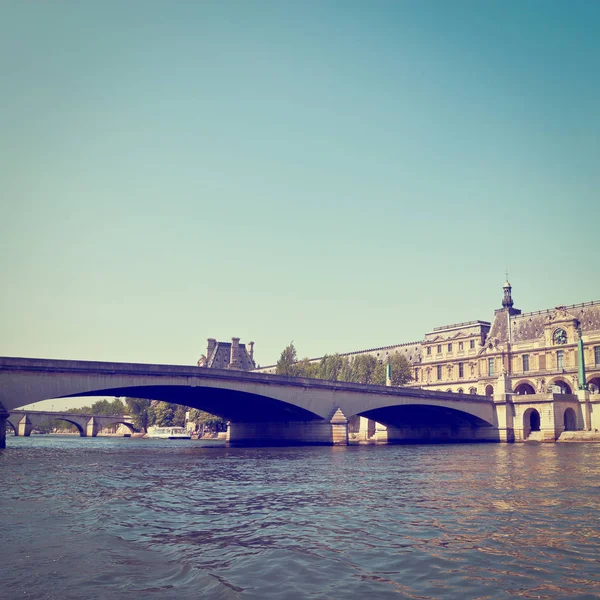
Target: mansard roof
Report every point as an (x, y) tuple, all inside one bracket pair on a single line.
[(530, 326), (220, 357)]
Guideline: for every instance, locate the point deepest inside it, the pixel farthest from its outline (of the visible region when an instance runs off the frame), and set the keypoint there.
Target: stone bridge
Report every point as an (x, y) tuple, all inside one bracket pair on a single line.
[(262, 409), (24, 421)]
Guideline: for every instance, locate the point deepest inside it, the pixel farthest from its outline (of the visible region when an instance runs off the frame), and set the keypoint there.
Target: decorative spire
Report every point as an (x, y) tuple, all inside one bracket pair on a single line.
[(507, 301)]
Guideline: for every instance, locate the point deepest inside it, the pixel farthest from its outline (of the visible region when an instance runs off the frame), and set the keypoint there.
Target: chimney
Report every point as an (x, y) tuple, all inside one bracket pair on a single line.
[(251, 352), (235, 352), (211, 346)]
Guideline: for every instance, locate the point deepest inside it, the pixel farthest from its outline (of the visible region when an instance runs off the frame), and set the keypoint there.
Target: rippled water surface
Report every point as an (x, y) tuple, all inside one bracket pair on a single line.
[(109, 517)]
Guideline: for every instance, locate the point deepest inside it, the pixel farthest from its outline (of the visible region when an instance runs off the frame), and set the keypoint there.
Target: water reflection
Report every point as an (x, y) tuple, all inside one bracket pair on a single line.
[(110, 517)]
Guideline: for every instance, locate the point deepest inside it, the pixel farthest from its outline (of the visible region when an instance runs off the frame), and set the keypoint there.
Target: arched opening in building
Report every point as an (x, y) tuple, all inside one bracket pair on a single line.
[(524, 388), (563, 386), (449, 390), (531, 422), (594, 385), (460, 391), (473, 391), (489, 390), (570, 420)]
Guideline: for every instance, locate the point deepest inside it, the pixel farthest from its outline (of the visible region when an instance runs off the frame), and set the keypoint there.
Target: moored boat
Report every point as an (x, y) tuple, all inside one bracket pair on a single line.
[(168, 433)]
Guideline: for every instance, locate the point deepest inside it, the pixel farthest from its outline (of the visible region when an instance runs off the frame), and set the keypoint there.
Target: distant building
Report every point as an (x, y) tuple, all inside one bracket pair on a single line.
[(518, 353), (228, 355)]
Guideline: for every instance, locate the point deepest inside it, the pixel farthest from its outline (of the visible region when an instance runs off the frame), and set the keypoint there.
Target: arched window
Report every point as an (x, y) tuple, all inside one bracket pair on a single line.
[(489, 390), (524, 388), (473, 391), (460, 391)]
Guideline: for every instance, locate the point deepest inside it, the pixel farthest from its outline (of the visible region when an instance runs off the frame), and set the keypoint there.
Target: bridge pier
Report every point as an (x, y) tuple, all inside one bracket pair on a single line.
[(3, 416), (290, 433), (440, 434), (25, 426), (92, 428)]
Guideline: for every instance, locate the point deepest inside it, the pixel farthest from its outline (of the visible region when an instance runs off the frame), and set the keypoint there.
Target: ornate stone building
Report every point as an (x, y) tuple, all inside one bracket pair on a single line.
[(228, 355), (516, 353)]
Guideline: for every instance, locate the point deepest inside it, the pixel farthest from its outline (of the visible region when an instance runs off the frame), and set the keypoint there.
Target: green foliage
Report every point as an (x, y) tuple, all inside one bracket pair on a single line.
[(137, 408), (205, 421), (363, 368), (102, 407), (162, 413), (286, 365), (179, 415), (401, 370)]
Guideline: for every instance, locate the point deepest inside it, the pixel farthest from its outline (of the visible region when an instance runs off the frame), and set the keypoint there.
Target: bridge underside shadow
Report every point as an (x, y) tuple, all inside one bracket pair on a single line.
[(230, 405), (254, 420), (419, 424)]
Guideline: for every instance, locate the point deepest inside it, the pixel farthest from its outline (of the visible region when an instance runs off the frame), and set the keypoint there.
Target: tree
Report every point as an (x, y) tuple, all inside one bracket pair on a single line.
[(206, 421), (401, 369), (138, 409), (163, 414), (363, 368), (179, 415), (286, 365), (331, 367)]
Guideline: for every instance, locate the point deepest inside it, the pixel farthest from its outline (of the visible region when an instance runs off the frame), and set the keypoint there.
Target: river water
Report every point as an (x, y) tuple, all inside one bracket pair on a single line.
[(111, 517)]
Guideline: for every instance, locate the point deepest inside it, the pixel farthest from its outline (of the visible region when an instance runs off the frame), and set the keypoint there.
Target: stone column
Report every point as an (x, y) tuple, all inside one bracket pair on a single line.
[(91, 429), (339, 429), (381, 433), (363, 430), (3, 417), (504, 417), (586, 409), (25, 426)]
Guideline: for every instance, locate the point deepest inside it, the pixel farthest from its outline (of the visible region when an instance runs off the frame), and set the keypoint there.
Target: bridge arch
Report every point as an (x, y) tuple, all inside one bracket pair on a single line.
[(231, 405), (420, 421), (80, 429)]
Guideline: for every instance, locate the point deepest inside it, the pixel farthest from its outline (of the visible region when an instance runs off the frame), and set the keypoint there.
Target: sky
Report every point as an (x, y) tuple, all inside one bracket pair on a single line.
[(340, 174)]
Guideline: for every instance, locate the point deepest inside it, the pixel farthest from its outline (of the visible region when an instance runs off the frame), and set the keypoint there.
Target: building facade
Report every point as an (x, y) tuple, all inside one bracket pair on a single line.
[(528, 353), (515, 353)]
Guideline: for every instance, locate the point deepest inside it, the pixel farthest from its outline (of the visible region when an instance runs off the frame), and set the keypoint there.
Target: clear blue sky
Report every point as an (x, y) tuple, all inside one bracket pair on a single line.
[(341, 174)]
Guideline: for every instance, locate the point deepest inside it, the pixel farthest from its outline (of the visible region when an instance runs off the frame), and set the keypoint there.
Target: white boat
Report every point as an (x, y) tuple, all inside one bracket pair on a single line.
[(168, 433)]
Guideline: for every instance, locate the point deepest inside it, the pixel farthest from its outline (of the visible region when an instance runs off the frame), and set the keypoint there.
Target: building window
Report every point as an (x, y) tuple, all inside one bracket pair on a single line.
[(416, 374), (461, 369), (472, 391), (597, 355), (449, 347), (525, 362), (439, 372), (471, 344), (560, 359), (461, 346), (428, 349), (490, 367), (439, 349), (460, 391)]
